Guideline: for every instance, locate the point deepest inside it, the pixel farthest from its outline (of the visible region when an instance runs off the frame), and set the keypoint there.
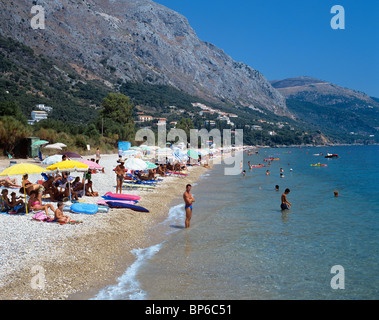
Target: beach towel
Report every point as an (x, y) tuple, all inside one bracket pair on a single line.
[(41, 216)]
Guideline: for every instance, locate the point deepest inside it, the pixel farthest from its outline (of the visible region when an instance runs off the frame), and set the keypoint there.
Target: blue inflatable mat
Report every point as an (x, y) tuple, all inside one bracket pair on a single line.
[(88, 208)]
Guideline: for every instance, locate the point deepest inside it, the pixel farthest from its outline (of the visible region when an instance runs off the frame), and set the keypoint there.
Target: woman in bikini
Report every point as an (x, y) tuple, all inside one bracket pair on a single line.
[(35, 204)]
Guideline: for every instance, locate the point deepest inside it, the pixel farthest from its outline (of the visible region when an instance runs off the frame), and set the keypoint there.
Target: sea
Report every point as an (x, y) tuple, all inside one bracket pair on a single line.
[(242, 246)]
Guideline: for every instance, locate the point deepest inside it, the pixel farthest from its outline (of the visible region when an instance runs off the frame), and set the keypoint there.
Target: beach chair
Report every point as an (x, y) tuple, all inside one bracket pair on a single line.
[(138, 186), (133, 179)]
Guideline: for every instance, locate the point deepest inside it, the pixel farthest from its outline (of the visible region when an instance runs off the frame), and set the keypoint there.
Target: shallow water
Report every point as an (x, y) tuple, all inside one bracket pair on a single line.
[(242, 246)]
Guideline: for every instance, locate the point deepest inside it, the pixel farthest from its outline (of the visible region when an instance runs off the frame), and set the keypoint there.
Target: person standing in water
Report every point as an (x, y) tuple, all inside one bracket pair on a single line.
[(285, 203), (188, 200)]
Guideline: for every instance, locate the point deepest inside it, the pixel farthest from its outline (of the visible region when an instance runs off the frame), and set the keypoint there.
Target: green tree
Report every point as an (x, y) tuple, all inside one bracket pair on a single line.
[(11, 108), (117, 112), (186, 124), (11, 131)]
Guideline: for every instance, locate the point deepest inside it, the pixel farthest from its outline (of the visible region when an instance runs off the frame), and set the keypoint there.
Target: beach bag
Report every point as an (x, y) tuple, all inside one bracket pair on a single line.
[(40, 216)]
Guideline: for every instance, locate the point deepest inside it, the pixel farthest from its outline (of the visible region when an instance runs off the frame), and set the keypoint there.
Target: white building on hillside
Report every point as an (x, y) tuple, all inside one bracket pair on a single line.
[(38, 116), (43, 107)]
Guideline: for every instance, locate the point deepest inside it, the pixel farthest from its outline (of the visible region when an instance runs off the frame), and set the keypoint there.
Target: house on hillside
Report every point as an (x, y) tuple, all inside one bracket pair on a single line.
[(144, 118), (37, 115), (43, 107)]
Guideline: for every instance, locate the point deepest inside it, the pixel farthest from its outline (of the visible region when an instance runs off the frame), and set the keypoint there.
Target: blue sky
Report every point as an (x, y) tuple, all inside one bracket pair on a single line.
[(288, 38)]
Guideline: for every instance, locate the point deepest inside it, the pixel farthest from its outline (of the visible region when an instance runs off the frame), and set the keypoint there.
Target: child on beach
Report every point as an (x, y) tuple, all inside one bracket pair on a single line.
[(59, 216), (15, 201), (89, 190)]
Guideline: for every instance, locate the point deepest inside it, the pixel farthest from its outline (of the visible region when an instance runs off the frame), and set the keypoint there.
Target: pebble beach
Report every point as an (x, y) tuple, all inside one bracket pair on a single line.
[(40, 260)]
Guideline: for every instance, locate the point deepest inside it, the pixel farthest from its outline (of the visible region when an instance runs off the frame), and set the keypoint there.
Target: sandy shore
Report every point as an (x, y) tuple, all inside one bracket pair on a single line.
[(41, 260)]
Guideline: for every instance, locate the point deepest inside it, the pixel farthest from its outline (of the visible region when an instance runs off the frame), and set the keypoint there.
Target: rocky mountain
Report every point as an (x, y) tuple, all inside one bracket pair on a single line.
[(330, 107), (139, 41), (319, 91)]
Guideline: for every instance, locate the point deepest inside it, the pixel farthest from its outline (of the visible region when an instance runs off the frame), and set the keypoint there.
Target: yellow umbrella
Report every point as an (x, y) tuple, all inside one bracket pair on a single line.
[(21, 169), (67, 165)]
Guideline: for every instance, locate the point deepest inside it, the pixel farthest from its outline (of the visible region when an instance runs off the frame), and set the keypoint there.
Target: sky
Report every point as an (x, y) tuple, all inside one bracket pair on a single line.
[(290, 38)]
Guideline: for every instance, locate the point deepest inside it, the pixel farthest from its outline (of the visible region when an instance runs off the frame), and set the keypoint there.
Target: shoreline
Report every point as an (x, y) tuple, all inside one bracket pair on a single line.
[(79, 260)]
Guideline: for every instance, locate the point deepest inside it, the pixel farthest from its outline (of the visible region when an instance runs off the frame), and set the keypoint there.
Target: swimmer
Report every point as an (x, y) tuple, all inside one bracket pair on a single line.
[(285, 203)]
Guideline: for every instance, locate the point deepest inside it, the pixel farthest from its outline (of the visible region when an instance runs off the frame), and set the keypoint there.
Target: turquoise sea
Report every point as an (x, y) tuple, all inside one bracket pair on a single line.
[(242, 246)]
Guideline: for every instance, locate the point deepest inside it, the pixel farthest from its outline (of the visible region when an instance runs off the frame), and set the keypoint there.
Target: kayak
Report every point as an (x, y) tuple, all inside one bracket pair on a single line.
[(319, 165)]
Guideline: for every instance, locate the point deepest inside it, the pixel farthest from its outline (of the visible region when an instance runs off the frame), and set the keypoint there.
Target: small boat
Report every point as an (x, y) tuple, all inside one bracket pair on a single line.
[(331, 155), (318, 165)]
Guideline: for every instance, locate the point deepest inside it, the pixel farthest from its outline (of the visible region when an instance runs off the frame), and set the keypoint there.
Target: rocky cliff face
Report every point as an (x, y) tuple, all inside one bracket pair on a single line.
[(138, 40)]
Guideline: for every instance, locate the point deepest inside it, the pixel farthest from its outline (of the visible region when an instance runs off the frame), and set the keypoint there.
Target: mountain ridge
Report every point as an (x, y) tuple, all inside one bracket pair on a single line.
[(142, 41), (331, 107)]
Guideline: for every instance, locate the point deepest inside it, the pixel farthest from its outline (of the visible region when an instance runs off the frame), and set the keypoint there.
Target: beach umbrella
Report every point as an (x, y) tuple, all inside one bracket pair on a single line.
[(21, 169), (68, 165), (39, 142), (135, 164), (193, 154), (164, 150), (91, 164), (60, 144), (53, 146), (52, 159), (150, 165), (131, 153), (180, 156), (72, 155)]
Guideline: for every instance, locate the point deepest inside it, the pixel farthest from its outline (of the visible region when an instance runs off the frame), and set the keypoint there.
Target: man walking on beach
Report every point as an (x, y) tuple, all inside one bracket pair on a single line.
[(120, 173), (188, 200)]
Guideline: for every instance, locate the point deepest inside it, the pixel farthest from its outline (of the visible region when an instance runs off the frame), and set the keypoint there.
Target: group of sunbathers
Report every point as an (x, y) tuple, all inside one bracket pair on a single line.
[(163, 168), (56, 186)]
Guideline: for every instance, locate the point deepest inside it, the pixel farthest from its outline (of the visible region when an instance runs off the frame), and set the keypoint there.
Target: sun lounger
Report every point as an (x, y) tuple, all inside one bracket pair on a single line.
[(138, 186), (133, 179)]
